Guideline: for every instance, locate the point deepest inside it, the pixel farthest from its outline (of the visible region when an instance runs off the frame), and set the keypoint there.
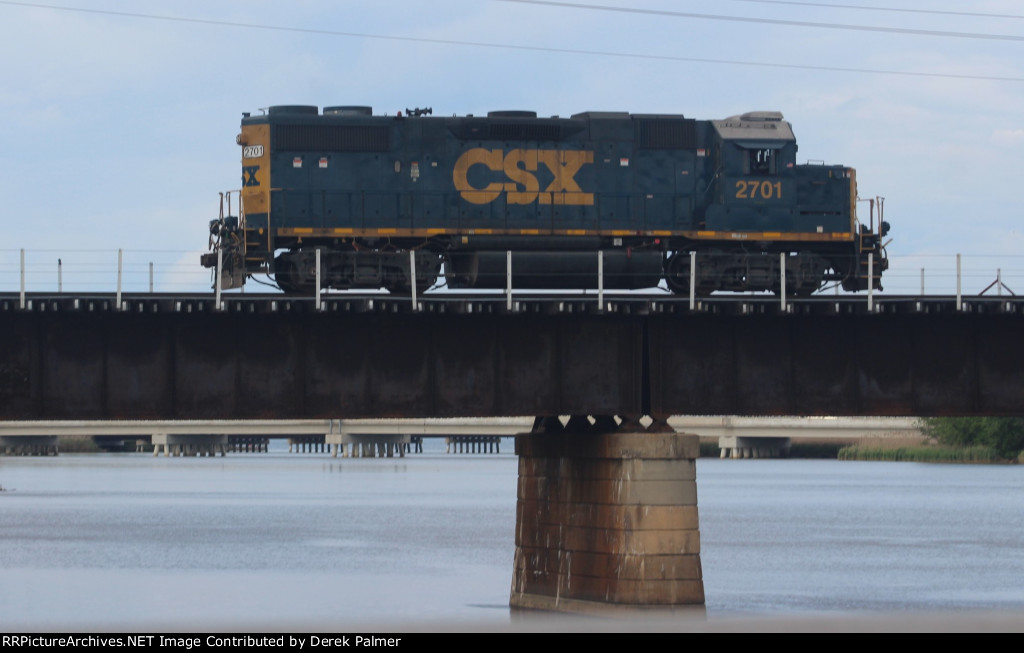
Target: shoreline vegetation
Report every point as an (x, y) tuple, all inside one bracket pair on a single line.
[(925, 453), (903, 449), (989, 440)]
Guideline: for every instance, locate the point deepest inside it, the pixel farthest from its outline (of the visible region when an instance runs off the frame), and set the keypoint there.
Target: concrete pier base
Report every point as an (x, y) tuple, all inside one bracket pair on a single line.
[(29, 445), (737, 446), (189, 444), (351, 445), (248, 443), (472, 444), (607, 522), (308, 444)]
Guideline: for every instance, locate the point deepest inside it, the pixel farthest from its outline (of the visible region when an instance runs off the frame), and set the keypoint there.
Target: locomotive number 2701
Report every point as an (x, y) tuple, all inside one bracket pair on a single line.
[(754, 190)]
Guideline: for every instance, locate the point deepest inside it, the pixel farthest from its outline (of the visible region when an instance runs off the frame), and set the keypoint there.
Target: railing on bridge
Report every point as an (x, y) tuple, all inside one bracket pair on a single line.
[(118, 271)]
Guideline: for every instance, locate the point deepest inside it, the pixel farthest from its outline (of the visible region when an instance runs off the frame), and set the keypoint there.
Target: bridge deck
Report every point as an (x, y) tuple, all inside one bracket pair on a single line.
[(611, 302), (273, 357)]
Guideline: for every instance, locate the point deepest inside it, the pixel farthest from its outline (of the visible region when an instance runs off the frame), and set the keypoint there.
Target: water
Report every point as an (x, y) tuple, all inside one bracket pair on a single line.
[(296, 541), (825, 536)]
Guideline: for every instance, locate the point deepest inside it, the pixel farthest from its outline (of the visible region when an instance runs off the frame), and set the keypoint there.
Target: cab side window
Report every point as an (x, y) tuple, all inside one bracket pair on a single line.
[(760, 162)]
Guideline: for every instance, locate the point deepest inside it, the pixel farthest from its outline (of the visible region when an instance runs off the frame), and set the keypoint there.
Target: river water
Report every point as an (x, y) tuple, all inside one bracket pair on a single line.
[(285, 541)]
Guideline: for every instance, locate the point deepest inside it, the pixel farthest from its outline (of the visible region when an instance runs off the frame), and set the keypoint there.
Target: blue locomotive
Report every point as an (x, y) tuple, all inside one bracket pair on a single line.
[(358, 200)]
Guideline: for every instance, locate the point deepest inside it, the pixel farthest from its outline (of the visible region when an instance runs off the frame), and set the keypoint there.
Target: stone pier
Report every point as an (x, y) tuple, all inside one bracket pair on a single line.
[(607, 522)]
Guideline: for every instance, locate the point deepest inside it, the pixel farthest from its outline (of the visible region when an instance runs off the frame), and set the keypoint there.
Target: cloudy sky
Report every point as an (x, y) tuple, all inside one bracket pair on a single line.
[(118, 118)]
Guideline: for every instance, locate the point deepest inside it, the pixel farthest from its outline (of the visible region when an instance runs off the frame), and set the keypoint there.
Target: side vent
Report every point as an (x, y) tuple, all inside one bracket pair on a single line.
[(523, 132), (330, 138), (293, 109), (666, 134), (511, 114), (513, 129), (348, 111)]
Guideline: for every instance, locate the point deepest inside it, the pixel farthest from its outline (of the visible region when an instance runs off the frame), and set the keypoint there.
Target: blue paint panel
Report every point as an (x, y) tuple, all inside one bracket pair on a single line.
[(647, 173)]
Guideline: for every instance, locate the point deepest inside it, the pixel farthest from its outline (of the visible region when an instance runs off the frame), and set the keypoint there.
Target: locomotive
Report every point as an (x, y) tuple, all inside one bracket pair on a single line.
[(353, 200)]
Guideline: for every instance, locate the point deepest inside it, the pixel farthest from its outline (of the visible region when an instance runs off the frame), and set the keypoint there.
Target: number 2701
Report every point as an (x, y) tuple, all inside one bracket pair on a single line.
[(754, 190)]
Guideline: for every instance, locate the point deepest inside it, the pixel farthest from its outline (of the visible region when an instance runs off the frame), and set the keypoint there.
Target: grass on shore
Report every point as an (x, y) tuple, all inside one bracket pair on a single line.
[(891, 449), (923, 454)]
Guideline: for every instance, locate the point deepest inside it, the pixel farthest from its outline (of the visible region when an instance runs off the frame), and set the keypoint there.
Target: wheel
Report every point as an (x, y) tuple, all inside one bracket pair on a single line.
[(677, 273), (286, 274)]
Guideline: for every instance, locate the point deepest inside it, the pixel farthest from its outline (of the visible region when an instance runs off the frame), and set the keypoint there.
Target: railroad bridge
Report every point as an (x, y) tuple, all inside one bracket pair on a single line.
[(607, 511), (269, 357)]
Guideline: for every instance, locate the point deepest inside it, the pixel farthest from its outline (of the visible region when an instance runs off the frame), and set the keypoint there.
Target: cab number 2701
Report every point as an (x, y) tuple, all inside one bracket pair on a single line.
[(758, 190)]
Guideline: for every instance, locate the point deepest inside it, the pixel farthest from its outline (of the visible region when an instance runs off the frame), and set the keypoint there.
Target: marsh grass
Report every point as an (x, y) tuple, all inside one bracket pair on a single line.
[(922, 453), (903, 449)]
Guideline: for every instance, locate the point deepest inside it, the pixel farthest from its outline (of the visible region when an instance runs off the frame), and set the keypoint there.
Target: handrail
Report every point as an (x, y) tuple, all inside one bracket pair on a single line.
[(154, 270)]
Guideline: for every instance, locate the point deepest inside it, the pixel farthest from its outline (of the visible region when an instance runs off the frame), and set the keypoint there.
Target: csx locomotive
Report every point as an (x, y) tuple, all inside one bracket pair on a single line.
[(392, 201)]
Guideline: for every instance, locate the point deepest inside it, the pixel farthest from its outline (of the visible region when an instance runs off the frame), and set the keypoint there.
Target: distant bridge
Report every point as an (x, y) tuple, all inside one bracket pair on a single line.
[(739, 435), (819, 428), (836, 428)]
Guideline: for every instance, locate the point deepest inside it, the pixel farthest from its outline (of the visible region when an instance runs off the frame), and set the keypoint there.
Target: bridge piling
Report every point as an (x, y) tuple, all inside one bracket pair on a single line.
[(472, 444), (38, 445), (248, 443), (189, 444), (736, 447), (359, 445), (607, 521)]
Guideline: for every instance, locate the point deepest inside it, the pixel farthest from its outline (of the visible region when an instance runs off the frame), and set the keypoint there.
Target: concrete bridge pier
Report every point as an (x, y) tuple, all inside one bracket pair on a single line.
[(734, 446), (607, 521), (472, 444), (189, 444), (29, 445), (249, 443), (354, 445), (308, 444)]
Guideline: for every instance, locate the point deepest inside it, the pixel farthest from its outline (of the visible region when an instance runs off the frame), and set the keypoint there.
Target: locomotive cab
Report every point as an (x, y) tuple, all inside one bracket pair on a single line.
[(807, 213), (756, 155)]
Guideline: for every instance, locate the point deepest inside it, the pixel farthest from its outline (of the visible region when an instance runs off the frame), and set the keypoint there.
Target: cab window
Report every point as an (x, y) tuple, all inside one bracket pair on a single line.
[(760, 162)]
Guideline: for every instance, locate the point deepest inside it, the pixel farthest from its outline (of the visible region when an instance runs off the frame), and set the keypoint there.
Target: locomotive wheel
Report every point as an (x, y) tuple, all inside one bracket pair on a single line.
[(677, 273), (286, 274), (808, 277), (677, 276)]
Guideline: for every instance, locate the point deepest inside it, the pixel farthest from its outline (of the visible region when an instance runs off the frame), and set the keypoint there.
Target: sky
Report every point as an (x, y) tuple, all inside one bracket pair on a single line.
[(118, 119)]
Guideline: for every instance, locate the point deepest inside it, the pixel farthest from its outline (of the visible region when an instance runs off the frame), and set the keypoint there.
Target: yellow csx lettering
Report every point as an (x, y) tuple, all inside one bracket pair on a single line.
[(521, 185)]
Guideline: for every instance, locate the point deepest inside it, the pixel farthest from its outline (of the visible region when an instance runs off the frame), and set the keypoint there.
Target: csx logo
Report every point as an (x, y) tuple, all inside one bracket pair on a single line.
[(519, 183)]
